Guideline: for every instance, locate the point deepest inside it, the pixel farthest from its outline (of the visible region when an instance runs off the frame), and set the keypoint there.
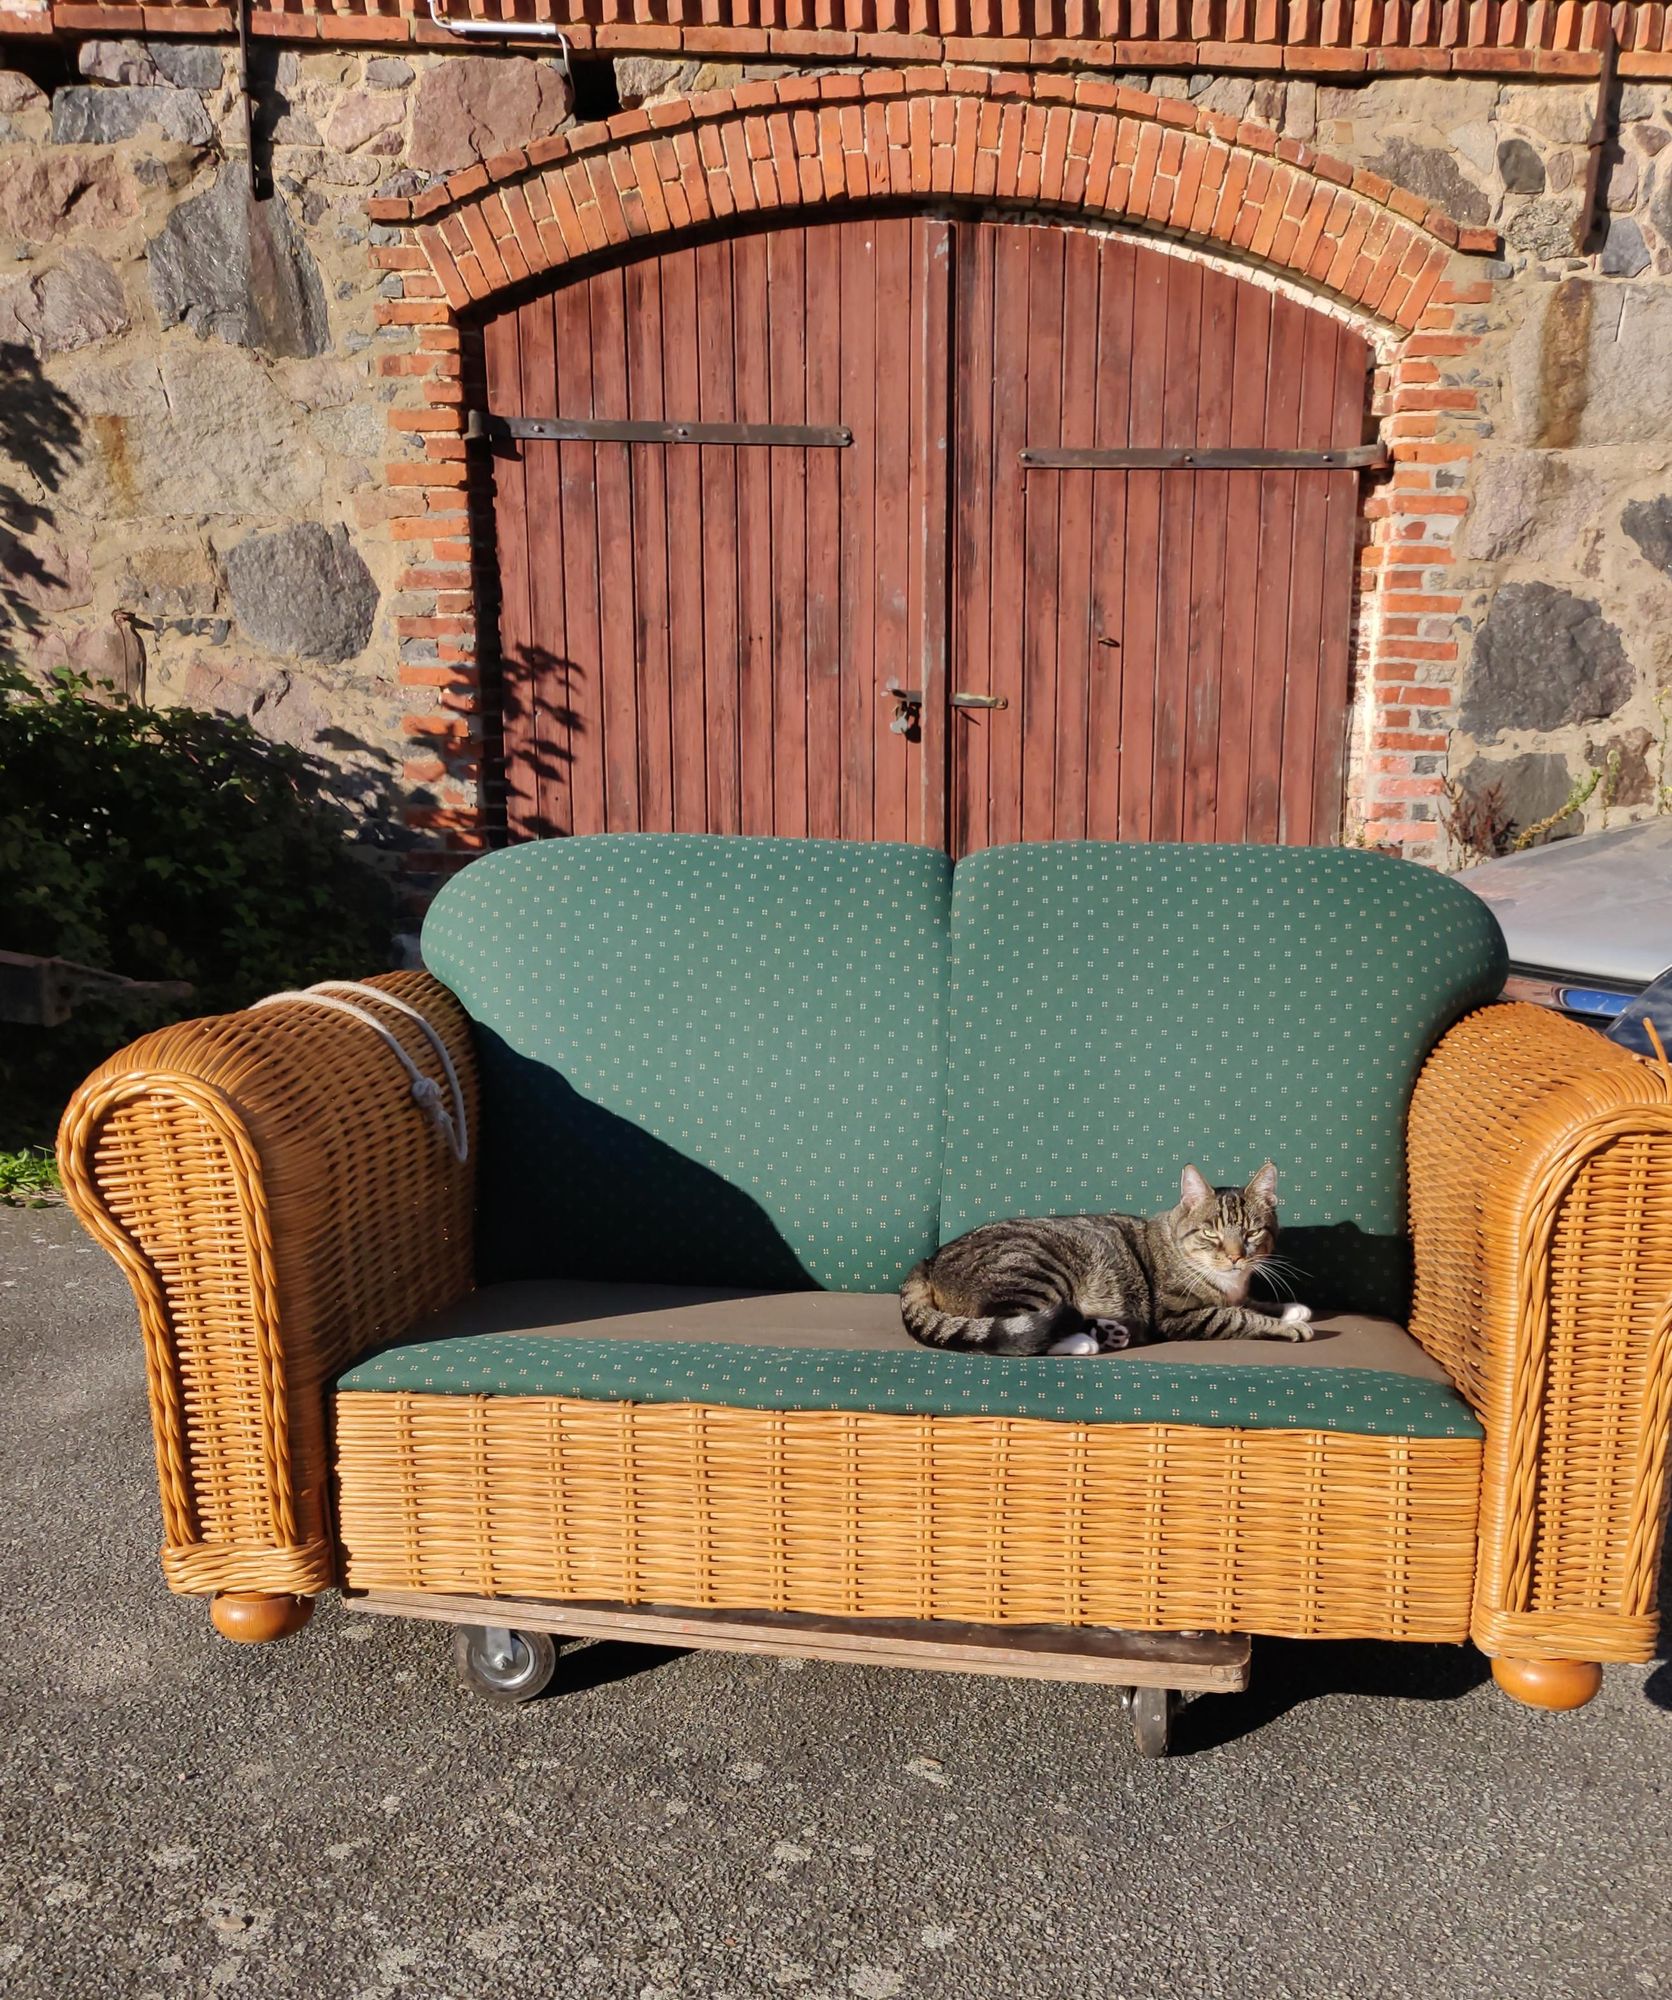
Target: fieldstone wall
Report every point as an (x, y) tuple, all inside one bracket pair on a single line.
[(195, 422), (1561, 565), (195, 408)]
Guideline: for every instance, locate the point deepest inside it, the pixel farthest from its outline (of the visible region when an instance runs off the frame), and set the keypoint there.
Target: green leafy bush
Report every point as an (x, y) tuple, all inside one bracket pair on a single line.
[(163, 844), (29, 1178)]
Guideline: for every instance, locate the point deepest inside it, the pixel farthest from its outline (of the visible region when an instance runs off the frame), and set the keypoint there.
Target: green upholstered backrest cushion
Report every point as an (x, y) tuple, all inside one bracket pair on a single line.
[(1120, 1009), (704, 1059)]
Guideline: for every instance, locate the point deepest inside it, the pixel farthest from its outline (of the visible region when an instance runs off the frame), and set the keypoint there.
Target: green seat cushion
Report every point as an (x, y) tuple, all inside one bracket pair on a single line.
[(711, 1059), (1120, 1009), (835, 1351)]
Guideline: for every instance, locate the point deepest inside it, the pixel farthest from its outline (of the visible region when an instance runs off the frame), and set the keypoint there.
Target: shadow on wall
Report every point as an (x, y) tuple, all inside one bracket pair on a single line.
[(40, 434)]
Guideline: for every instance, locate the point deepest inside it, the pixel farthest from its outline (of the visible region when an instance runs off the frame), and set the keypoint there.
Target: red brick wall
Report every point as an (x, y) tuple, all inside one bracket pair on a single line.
[(1306, 37)]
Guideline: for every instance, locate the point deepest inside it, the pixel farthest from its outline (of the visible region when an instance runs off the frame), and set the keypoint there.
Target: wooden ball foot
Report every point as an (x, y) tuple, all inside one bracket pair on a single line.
[(250, 1618), (1552, 1684)]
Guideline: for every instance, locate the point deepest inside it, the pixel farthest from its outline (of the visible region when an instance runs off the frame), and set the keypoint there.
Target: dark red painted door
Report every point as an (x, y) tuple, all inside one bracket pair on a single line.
[(696, 637), (703, 636), (1172, 646)]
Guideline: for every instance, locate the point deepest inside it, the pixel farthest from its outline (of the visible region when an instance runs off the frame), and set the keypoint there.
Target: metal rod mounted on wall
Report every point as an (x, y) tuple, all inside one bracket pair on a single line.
[(1592, 208), (506, 31)]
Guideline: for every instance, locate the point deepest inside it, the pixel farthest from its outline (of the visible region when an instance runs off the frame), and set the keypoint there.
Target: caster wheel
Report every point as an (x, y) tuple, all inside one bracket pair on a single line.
[(1152, 1719), (505, 1666)]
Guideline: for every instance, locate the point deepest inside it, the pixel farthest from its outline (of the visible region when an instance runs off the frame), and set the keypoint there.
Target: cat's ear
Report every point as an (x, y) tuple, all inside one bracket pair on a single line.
[(1263, 1187), (1193, 1190)]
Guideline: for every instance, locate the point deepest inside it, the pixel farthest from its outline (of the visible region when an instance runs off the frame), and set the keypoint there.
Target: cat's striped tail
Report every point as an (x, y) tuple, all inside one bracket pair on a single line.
[(1000, 1333)]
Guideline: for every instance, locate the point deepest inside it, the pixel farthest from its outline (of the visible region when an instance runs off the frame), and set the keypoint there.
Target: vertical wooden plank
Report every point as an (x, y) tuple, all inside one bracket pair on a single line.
[(893, 655), (755, 555), (1008, 580), (618, 695), (1042, 498), (1284, 360), (717, 403), (933, 249), (1242, 566), (550, 680), (1305, 662), (1111, 428), (790, 364), (1141, 597), (682, 473), (1075, 590), (649, 469), (578, 511), (1183, 381), (825, 405), (1210, 495), (973, 607), (857, 594), (1352, 368), (519, 716)]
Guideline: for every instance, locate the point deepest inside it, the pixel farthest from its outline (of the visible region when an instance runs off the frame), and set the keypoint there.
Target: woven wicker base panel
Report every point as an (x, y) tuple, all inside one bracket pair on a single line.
[(854, 1515), (1206, 1662)]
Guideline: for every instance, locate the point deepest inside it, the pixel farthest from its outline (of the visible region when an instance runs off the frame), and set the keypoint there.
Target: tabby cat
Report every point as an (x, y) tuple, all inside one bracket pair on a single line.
[(1087, 1284)]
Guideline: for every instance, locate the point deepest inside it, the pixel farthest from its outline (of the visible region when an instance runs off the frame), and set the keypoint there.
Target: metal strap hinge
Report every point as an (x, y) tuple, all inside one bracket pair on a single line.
[(1144, 458), (610, 430)]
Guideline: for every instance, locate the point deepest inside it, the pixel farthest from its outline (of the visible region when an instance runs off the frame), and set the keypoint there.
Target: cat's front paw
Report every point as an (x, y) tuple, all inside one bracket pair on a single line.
[(1296, 1322), (1074, 1343)]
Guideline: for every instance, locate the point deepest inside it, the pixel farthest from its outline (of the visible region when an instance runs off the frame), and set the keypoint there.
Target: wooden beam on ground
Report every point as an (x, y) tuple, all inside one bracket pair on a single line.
[(1208, 1662)]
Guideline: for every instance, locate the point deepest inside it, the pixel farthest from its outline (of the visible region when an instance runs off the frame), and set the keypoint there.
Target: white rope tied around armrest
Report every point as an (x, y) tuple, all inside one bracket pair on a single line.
[(426, 1092)]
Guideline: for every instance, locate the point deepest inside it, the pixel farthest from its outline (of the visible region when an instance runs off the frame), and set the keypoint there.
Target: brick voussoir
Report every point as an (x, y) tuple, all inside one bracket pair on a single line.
[(1056, 138)]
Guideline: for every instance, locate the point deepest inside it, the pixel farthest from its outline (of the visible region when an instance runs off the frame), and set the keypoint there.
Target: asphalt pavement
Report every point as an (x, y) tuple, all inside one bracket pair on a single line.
[(335, 1816)]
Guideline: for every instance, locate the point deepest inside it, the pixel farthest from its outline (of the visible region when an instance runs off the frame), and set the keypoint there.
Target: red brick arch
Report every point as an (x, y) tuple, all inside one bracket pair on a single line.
[(1085, 147), (1081, 148)]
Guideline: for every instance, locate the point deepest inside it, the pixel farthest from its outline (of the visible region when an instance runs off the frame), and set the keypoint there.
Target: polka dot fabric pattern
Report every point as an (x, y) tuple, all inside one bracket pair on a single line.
[(1363, 1402), (1119, 1009), (704, 1059)]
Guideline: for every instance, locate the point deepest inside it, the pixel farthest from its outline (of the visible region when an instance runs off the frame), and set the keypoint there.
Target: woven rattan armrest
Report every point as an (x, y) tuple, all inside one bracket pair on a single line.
[(279, 1203), (1541, 1206)]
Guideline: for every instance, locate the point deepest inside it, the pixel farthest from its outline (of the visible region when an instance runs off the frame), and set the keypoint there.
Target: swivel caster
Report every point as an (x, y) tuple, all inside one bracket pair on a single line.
[(502, 1665), (1153, 1710)]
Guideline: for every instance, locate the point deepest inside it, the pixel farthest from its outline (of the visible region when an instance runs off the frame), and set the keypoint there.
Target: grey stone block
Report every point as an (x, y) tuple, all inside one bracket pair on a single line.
[(303, 591), (237, 268), (1543, 658), (84, 114)]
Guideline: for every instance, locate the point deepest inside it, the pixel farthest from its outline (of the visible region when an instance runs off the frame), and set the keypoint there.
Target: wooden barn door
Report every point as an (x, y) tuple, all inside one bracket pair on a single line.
[(1090, 506), (1170, 642), (719, 482)]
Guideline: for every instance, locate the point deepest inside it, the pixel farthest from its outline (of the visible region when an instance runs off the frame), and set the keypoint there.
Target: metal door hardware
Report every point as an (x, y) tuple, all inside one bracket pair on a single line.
[(908, 708), (609, 430), (1142, 458)]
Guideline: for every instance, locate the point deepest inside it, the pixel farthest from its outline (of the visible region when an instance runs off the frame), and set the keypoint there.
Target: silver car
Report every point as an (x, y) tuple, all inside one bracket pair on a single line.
[(1589, 927)]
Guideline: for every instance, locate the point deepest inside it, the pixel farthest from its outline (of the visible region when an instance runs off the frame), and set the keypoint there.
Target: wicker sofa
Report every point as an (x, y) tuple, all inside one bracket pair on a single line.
[(634, 1362)]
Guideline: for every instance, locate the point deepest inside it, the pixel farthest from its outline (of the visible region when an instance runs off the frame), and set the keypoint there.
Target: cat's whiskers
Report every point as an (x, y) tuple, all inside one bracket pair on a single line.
[(1282, 1274), (1278, 1277)]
